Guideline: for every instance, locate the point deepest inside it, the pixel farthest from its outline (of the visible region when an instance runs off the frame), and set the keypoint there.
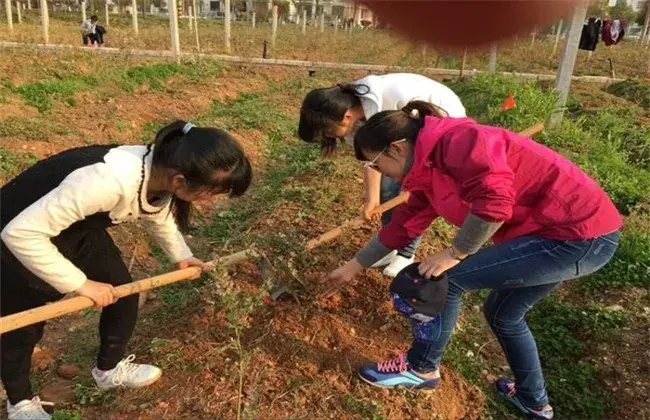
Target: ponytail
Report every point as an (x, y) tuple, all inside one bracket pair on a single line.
[(387, 127), (198, 153), (324, 108)]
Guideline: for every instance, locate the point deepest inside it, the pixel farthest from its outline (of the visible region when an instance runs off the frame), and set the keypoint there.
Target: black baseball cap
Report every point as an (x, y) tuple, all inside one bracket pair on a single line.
[(426, 296)]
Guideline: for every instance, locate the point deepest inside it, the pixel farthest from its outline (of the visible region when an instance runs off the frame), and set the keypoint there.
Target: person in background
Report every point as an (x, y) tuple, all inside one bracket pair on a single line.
[(55, 217), (549, 221), (88, 30), (333, 113)]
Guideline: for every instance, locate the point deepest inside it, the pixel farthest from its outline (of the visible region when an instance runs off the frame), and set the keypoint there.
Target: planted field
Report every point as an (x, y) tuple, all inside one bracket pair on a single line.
[(229, 352)]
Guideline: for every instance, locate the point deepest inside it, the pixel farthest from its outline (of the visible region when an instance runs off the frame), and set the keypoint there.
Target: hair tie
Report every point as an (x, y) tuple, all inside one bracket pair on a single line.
[(188, 127), (412, 112)]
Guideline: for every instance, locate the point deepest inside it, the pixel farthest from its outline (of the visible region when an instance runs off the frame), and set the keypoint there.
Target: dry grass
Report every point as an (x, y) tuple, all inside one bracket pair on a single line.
[(368, 47)]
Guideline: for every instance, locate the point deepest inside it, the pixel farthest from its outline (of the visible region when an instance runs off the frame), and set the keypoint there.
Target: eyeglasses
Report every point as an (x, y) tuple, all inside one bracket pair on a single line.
[(373, 163)]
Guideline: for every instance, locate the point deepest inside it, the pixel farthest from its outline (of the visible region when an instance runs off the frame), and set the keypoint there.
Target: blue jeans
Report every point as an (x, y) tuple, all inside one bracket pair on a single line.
[(390, 189), (519, 273)]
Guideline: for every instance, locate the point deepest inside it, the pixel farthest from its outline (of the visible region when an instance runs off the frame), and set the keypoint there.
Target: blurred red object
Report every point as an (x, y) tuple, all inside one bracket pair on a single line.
[(468, 23), (509, 103)]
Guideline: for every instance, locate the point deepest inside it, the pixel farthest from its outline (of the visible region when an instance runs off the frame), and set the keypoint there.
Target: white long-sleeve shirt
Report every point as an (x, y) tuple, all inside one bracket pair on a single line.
[(393, 91), (111, 186)]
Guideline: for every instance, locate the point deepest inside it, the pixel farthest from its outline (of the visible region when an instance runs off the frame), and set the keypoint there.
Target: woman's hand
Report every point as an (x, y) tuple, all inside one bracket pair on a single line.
[(192, 262), (368, 207), (337, 278), (102, 294), (438, 263)]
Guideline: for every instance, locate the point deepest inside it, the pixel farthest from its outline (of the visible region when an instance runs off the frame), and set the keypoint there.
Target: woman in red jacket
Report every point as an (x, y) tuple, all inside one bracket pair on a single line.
[(549, 221)]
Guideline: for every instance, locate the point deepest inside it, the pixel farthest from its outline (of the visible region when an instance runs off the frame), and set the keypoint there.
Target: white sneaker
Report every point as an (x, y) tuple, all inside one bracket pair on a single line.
[(28, 410), (397, 264), (386, 260), (130, 375)]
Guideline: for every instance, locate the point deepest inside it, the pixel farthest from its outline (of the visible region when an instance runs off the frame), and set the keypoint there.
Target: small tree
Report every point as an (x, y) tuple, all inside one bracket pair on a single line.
[(622, 10), (598, 9)]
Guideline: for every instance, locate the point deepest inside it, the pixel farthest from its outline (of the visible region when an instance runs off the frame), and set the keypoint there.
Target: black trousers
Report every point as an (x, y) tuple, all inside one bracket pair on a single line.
[(93, 251)]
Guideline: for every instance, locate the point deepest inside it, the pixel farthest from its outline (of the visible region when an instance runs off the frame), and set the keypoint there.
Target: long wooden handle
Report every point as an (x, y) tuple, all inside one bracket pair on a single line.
[(531, 131), (355, 223), (67, 306)]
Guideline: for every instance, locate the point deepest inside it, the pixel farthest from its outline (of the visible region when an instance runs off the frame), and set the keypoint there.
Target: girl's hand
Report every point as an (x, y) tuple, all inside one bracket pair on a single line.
[(438, 263), (192, 262), (337, 278), (368, 207), (102, 294)]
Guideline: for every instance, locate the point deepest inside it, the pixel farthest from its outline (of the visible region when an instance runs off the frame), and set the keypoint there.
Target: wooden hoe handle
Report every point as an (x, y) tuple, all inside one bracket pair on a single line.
[(67, 306)]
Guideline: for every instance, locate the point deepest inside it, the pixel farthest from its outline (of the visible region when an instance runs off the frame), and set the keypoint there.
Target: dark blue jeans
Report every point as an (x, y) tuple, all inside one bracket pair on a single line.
[(519, 273), (391, 189)]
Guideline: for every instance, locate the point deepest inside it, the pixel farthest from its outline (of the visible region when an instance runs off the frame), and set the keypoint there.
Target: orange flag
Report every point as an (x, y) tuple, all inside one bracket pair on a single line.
[(509, 103)]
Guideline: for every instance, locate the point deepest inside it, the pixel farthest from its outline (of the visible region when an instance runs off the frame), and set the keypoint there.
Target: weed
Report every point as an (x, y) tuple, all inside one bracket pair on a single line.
[(31, 128), (66, 415), (633, 90), (629, 267), (573, 382), (12, 163), (367, 408), (40, 94)]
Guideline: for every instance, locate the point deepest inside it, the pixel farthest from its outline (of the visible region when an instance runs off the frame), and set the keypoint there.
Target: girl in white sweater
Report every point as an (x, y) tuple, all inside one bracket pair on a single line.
[(54, 240)]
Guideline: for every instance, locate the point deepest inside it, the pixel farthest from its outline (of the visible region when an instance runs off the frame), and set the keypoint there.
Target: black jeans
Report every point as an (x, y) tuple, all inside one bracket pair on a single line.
[(92, 250)]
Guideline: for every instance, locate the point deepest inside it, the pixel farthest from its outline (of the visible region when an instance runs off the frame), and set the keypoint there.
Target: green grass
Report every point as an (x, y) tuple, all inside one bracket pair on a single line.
[(633, 90), (561, 331), (32, 128), (43, 95), (12, 163), (66, 415)]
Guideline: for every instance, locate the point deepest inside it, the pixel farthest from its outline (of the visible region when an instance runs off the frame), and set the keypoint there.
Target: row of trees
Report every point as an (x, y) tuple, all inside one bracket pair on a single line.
[(622, 10)]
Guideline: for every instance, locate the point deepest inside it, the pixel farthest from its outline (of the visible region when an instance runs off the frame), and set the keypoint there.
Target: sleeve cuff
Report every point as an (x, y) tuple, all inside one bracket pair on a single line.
[(372, 253), (474, 233)]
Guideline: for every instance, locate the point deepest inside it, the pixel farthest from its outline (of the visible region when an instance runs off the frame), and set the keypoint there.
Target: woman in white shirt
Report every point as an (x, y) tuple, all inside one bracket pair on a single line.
[(337, 112), (54, 239)]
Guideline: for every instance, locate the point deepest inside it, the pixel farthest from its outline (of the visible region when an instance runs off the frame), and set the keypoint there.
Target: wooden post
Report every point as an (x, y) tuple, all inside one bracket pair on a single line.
[(10, 18), (191, 13), (83, 11), (534, 36), (196, 26), (322, 22), (173, 29), (557, 36), (336, 25), (20, 17), (227, 25), (274, 28), (304, 21), (45, 22), (312, 16), (253, 19), (463, 62), (134, 16), (567, 63), (29, 4), (106, 12), (492, 66)]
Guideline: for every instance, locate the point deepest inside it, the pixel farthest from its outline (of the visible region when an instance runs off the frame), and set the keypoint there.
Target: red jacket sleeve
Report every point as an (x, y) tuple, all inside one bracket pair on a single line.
[(475, 157), (408, 221)]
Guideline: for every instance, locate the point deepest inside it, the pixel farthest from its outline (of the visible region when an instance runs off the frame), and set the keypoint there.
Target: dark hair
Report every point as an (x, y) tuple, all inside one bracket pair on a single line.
[(197, 155), (387, 127), (94, 18), (324, 108)]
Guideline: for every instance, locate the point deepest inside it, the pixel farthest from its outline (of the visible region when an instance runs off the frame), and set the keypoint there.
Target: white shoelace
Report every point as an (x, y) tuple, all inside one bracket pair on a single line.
[(34, 403), (123, 369)]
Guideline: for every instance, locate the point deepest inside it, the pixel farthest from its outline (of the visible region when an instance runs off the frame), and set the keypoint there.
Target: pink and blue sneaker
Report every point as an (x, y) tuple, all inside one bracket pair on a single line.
[(506, 388), (395, 372)]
